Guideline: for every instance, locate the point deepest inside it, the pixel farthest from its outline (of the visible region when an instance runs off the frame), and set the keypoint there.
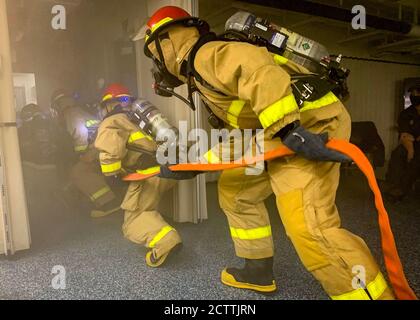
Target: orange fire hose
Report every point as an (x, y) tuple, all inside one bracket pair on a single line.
[(393, 264)]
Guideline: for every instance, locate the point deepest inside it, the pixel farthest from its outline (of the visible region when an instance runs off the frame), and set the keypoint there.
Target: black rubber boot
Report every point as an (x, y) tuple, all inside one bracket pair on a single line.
[(257, 275), (153, 262)]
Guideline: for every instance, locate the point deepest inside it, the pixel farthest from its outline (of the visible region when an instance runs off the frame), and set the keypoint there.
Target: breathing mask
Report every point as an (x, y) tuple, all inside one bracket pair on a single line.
[(165, 82)]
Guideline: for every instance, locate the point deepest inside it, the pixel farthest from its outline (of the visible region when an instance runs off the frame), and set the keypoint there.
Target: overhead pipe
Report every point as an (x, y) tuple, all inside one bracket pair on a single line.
[(340, 14), (402, 43)]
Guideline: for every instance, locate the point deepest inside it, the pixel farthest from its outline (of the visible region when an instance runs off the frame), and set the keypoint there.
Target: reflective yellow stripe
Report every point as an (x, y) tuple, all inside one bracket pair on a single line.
[(376, 288), (280, 60), (329, 98), (110, 168), (163, 232), (251, 234), (92, 123), (211, 157), (157, 25), (233, 112), (107, 97), (160, 23), (150, 170), (80, 148), (137, 136), (278, 110), (358, 294), (100, 193), (111, 96)]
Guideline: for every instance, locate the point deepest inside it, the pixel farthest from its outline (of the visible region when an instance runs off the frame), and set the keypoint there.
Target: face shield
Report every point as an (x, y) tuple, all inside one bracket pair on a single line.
[(168, 46)]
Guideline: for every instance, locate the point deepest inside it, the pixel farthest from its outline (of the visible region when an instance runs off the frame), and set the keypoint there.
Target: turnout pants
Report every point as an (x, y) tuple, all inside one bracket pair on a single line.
[(305, 196), (143, 224), (87, 177)]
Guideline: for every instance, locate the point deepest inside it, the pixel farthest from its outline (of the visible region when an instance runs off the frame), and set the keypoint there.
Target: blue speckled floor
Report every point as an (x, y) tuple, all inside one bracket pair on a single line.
[(101, 264)]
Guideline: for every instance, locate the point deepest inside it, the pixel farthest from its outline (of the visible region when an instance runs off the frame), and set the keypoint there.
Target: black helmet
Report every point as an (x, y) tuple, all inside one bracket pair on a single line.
[(61, 99), (29, 112)]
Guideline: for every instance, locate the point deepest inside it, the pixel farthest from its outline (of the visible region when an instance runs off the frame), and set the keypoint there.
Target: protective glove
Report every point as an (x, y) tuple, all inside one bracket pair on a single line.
[(312, 146), (167, 173), (115, 181)]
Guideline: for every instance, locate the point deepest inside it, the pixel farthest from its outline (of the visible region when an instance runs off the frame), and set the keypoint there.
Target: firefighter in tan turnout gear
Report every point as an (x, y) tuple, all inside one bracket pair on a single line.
[(124, 148), (85, 174), (248, 87)]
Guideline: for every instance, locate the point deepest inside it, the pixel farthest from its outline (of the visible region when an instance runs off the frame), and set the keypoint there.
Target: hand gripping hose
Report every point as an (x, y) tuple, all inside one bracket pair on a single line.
[(392, 260)]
